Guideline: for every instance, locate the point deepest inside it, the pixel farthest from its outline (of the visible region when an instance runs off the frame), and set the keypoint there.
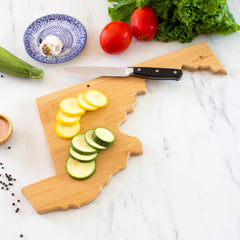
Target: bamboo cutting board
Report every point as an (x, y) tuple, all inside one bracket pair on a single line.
[(61, 191)]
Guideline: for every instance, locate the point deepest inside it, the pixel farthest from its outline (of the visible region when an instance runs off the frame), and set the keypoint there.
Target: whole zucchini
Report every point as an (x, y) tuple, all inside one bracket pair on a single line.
[(11, 64)]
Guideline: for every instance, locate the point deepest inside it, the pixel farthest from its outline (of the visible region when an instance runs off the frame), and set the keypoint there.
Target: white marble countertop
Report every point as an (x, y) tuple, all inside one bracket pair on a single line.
[(185, 186)]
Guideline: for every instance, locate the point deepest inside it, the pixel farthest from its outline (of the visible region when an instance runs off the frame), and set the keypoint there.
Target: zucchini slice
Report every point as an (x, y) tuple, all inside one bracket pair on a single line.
[(67, 120), (70, 107), (103, 137), (80, 157), (79, 170), (83, 104), (67, 132), (96, 98), (88, 137), (80, 145)]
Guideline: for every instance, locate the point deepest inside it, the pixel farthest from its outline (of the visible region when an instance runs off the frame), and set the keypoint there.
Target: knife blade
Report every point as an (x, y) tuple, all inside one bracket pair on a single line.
[(143, 72)]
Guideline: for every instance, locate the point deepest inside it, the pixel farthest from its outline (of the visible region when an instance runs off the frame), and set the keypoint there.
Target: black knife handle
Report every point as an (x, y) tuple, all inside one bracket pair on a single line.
[(158, 73)]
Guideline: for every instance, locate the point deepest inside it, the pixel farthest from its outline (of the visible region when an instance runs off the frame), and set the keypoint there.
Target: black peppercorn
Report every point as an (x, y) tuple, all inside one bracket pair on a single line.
[(18, 200)]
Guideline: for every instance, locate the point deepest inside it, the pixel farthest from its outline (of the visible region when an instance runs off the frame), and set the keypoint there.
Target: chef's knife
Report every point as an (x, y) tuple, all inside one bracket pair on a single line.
[(144, 72)]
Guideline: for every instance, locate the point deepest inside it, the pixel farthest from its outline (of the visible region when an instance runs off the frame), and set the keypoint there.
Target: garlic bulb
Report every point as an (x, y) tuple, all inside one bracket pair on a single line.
[(51, 46)]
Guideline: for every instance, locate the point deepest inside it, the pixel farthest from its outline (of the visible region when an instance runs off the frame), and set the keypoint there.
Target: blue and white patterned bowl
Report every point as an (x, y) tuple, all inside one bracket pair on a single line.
[(68, 29)]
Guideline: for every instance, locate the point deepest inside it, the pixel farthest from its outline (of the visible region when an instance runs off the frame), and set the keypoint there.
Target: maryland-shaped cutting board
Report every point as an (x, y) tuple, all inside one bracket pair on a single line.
[(61, 191)]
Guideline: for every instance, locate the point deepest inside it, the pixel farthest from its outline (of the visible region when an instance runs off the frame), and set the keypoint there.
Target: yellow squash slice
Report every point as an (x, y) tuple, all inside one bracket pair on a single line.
[(96, 98), (83, 104), (66, 131), (70, 107), (67, 120)]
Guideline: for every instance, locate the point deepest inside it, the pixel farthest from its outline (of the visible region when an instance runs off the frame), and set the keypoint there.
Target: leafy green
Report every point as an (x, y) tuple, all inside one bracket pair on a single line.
[(122, 11), (180, 20)]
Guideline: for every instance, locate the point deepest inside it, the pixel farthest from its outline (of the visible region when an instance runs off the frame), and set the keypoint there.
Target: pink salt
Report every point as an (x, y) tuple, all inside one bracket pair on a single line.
[(4, 127)]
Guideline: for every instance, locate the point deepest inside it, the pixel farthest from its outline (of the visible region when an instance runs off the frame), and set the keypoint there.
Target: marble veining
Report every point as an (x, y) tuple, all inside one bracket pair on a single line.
[(185, 186)]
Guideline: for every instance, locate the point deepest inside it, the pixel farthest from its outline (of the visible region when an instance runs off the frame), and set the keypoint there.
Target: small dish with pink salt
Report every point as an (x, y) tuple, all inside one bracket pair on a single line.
[(6, 129)]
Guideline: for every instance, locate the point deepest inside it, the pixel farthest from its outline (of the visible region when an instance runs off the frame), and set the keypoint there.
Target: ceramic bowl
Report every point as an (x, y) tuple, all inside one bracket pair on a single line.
[(69, 30)]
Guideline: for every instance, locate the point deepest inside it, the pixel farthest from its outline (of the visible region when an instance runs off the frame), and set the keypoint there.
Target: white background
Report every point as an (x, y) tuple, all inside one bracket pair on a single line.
[(185, 186)]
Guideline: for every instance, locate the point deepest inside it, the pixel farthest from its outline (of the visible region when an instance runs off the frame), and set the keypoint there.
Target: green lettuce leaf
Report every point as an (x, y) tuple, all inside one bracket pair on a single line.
[(122, 10), (140, 3), (181, 20)]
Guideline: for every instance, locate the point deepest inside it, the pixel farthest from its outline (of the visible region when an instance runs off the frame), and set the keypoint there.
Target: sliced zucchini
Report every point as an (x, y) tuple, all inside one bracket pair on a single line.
[(80, 157), (96, 98), (103, 137), (70, 107), (80, 145), (83, 104), (67, 132), (88, 137), (67, 120), (79, 170)]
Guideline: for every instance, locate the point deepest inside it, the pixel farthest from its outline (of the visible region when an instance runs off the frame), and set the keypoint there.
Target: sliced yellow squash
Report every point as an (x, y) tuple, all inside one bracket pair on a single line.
[(67, 131), (83, 104), (70, 107), (96, 98), (66, 119)]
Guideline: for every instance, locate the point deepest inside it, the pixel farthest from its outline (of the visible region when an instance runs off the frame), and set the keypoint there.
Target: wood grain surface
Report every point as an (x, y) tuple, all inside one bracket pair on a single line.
[(61, 191)]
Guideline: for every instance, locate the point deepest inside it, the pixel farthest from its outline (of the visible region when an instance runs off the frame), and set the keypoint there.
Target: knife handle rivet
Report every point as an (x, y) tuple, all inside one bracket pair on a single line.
[(139, 69), (175, 72), (157, 70)]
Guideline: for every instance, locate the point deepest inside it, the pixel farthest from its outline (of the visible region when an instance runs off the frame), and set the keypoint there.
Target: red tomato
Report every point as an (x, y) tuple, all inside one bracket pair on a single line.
[(144, 23), (115, 37)]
